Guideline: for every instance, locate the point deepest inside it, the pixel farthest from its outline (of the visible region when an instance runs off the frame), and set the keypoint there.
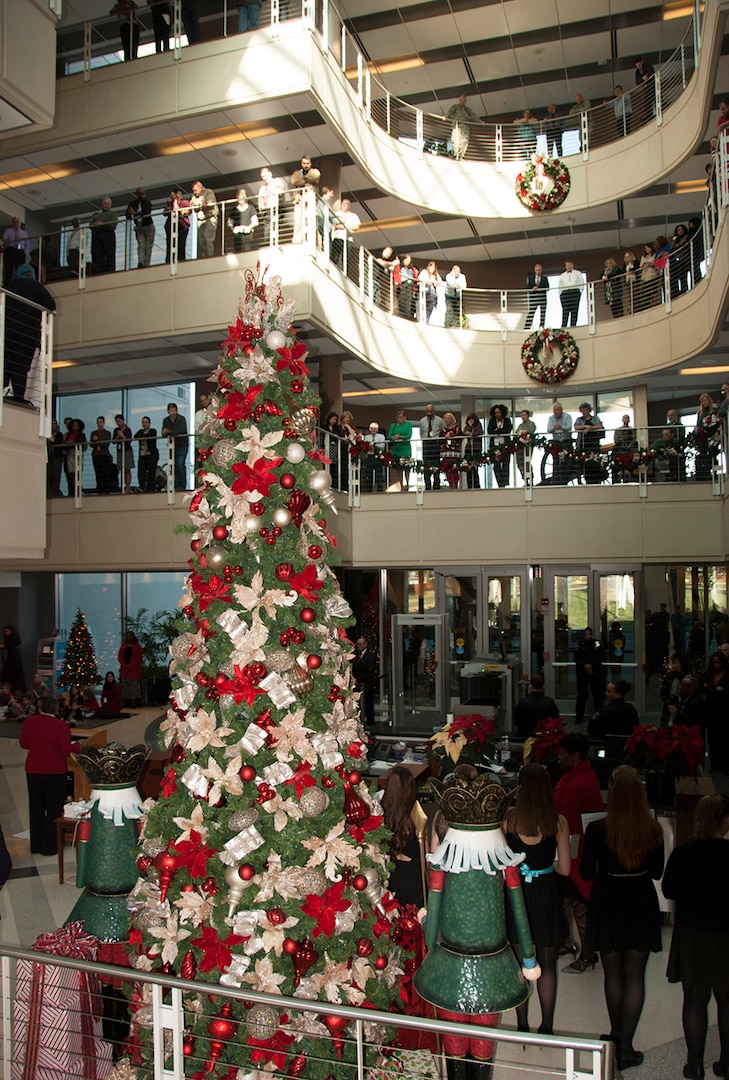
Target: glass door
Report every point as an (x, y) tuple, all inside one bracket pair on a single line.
[(419, 672)]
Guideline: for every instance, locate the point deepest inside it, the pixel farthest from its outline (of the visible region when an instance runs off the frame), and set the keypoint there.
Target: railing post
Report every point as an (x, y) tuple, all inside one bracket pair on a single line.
[(528, 475), (274, 219), (355, 478), (78, 464), (419, 129), (360, 88), (683, 67), (275, 18), (83, 247), (499, 147), (170, 470), (421, 309), (658, 96), (343, 49), (585, 135), (667, 286), (87, 51), (308, 14), (174, 239), (387, 112), (2, 354), (591, 317), (360, 273), (368, 94), (504, 311), (176, 29), (46, 356), (325, 24), (697, 31)]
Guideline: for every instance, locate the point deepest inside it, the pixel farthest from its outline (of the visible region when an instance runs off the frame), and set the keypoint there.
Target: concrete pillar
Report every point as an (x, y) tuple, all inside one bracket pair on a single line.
[(331, 176), (330, 385)]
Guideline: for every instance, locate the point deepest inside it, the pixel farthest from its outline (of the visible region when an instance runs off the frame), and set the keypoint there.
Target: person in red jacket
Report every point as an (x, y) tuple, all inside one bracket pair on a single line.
[(577, 793), (111, 699), (48, 742), (130, 670)]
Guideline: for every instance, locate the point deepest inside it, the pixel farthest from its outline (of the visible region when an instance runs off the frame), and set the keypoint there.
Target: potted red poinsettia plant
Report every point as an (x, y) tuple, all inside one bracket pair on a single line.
[(663, 754), (464, 740), (543, 743)]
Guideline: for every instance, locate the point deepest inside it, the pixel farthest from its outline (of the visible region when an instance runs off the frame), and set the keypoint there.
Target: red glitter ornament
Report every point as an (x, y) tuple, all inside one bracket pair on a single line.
[(287, 480), (327, 782), (246, 871), (307, 615), (247, 773), (297, 504), (360, 882), (220, 532), (296, 386), (381, 963), (276, 916), (257, 671), (143, 863), (178, 753), (285, 638), (285, 570), (313, 661), (297, 1065), (188, 967), (257, 508), (364, 946), (211, 886), (188, 611), (304, 956), (298, 637), (315, 551), (230, 424)]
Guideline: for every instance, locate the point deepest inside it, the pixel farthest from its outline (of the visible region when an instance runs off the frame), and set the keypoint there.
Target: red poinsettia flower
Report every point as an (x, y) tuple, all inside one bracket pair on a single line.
[(273, 1049), (209, 591), (302, 778), (259, 478), (324, 908), (357, 832), (169, 784), (239, 406), (306, 583), (194, 854), (216, 953), (548, 737), (237, 337), (290, 359), (476, 728), (243, 685)]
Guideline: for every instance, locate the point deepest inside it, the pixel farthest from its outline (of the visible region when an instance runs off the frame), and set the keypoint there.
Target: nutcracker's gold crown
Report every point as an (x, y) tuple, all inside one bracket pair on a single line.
[(114, 764), (477, 801)]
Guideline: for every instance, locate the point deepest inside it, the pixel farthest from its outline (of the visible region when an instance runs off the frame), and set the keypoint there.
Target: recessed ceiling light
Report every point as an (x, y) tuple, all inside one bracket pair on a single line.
[(716, 370)]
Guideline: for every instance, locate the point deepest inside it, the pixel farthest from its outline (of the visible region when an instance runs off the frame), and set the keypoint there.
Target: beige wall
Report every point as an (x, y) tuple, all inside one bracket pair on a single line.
[(22, 485)]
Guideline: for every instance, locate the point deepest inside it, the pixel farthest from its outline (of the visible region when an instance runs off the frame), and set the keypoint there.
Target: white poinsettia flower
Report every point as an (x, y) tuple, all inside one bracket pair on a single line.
[(333, 851), (263, 978), (333, 978), (273, 937), (307, 1024), (257, 446), (205, 730), (362, 970), (169, 937), (195, 823), (228, 781), (282, 810), (194, 908), (254, 596), (292, 737), (248, 647)]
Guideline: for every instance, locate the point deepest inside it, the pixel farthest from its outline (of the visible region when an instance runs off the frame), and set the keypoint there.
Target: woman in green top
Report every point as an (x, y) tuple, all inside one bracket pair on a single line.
[(398, 438)]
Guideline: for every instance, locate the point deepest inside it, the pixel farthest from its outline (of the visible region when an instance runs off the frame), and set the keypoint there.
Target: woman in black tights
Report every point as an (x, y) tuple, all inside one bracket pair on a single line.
[(623, 852), (533, 826), (697, 878)]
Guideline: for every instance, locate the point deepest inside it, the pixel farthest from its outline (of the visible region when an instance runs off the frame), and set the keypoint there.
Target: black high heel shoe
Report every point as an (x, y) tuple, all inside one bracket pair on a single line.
[(693, 1069), (580, 965)]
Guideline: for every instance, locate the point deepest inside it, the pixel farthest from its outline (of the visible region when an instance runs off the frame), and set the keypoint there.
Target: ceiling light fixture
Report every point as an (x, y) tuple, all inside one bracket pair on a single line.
[(678, 9), (409, 220), (41, 175), (386, 390), (204, 140), (687, 187), (716, 370), (64, 363), (386, 67)]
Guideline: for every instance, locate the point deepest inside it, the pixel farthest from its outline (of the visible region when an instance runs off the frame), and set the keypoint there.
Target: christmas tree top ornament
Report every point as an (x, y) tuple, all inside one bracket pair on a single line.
[(250, 856)]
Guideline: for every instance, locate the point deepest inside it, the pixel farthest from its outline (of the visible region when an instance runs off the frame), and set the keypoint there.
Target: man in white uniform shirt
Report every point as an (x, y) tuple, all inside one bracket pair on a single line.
[(344, 223), (430, 429), (571, 284)]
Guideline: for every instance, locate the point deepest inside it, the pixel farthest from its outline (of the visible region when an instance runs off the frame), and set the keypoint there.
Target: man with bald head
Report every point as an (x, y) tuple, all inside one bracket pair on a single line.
[(103, 238)]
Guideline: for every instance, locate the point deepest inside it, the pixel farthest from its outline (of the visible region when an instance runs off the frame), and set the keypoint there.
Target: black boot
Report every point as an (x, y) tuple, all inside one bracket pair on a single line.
[(480, 1070), (694, 1068), (457, 1068)]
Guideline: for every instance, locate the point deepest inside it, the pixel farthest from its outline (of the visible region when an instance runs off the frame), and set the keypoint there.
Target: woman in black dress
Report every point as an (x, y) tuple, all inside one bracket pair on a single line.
[(398, 802), (534, 827), (697, 878), (12, 669), (623, 852)]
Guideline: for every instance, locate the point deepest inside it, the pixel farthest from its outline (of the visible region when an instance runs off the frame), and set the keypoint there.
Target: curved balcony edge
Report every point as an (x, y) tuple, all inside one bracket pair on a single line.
[(217, 75)]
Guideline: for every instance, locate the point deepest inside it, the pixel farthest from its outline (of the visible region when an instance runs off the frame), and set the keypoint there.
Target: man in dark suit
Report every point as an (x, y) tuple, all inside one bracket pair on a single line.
[(364, 666), (645, 93), (537, 286), (534, 707)]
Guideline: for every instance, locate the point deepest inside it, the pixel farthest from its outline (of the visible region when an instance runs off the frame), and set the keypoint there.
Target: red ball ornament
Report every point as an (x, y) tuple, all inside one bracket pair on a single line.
[(276, 531), (230, 424), (287, 480), (188, 611), (211, 886), (307, 615), (290, 946), (195, 546), (220, 680), (178, 753), (296, 386), (276, 916), (313, 661), (188, 887), (263, 532), (354, 777), (364, 946), (328, 782), (221, 1028), (285, 638), (284, 571), (257, 508), (270, 540), (237, 570), (360, 882), (381, 963), (220, 532), (246, 871), (315, 551), (202, 679), (143, 863), (257, 671), (247, 773), (188, 1045), (298, 637), (212, 694), (228, 574)]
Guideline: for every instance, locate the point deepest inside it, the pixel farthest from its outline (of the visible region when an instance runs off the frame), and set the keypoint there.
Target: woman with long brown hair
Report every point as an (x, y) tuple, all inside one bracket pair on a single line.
[(533, 826), (623, 852), (400, 808), (697, 878)]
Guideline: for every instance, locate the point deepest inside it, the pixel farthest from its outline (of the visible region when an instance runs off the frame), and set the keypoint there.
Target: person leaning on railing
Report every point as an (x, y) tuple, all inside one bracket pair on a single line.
[(148, 455)]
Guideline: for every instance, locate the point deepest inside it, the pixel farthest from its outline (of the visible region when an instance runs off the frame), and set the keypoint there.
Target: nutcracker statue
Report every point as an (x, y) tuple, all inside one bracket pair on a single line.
[(470, 972), (106, 865)]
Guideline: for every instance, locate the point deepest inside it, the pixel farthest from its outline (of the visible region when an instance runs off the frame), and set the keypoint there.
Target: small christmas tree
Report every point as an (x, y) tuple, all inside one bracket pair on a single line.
[(79, 666), (265, 857)]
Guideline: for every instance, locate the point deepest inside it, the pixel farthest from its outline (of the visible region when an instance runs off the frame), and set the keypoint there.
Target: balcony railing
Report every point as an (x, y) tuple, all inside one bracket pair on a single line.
[(102, 42)]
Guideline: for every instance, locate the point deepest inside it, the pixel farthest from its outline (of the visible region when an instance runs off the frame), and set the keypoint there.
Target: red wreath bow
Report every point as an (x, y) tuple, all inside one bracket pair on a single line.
[(258, 478)]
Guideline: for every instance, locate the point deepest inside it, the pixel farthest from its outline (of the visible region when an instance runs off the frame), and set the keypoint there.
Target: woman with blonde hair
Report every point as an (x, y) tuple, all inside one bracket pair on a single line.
[(623, 852), (613, 277), (697, 878), (533, 826)]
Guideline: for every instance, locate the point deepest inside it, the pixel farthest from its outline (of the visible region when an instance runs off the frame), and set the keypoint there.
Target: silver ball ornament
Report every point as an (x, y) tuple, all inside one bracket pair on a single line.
[(312, 881), (276, 339), (320, 480), (252, 523), (215, 557), (295, 453), (313, 802), (225, 453), (262, 1022), (155, 845), (242, 819), (281, 517)]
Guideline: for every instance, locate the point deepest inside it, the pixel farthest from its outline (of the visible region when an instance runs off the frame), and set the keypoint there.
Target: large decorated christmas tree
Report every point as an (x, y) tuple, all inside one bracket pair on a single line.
[(264, 861), (79, 666)]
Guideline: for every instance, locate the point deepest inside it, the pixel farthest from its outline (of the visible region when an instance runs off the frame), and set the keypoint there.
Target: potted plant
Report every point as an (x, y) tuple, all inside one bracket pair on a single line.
[(543, 743), (155, 633), (663, 754), (463, 740)]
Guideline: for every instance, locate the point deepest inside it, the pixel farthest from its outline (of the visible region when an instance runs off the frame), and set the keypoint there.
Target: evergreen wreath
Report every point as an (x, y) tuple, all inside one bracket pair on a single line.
[(539, 362), (537, 170)]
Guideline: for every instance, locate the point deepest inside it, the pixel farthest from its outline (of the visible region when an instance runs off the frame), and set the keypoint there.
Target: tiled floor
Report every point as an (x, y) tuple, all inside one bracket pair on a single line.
[(33, 902)]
